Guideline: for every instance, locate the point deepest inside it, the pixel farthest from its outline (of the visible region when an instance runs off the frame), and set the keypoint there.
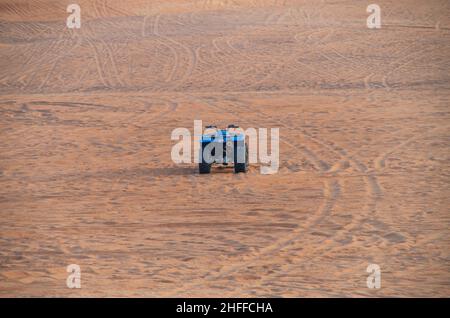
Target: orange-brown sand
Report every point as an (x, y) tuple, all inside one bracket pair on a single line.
[(85, 169)]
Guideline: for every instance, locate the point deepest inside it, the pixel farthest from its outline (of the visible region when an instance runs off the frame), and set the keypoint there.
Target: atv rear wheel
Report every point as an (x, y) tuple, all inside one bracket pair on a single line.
[(241, 167), (204, 168)]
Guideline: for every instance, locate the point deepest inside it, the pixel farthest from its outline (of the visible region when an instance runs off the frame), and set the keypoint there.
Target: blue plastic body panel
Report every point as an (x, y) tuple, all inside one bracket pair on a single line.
[(222, 136)]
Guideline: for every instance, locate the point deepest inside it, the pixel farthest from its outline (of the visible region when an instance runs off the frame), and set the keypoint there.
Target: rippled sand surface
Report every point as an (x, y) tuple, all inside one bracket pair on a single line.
[(86, 176)]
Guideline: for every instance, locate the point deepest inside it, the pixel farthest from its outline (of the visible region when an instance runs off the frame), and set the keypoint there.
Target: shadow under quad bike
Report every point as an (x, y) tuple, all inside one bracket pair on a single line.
[(223, 147)]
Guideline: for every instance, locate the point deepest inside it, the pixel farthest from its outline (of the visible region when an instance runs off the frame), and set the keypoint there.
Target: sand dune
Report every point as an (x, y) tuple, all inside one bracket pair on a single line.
[(86, 175)]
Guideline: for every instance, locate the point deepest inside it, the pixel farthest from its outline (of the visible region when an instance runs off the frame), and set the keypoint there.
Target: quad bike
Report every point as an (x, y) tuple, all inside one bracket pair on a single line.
[(223, 147)]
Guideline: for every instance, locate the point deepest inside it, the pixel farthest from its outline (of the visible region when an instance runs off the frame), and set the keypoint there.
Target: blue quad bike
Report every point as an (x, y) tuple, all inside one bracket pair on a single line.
[(223, 147)]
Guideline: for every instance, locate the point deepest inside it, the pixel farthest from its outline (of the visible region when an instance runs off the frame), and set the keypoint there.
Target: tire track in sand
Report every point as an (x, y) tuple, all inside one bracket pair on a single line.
[(192, 64), (378, 165), (374, 194), (98, 8), (56, 60), (380, 162), (373, 189), (332, 189)]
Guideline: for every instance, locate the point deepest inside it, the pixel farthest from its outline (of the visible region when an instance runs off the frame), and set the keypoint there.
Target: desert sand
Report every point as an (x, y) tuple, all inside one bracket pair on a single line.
[(85, 170)]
